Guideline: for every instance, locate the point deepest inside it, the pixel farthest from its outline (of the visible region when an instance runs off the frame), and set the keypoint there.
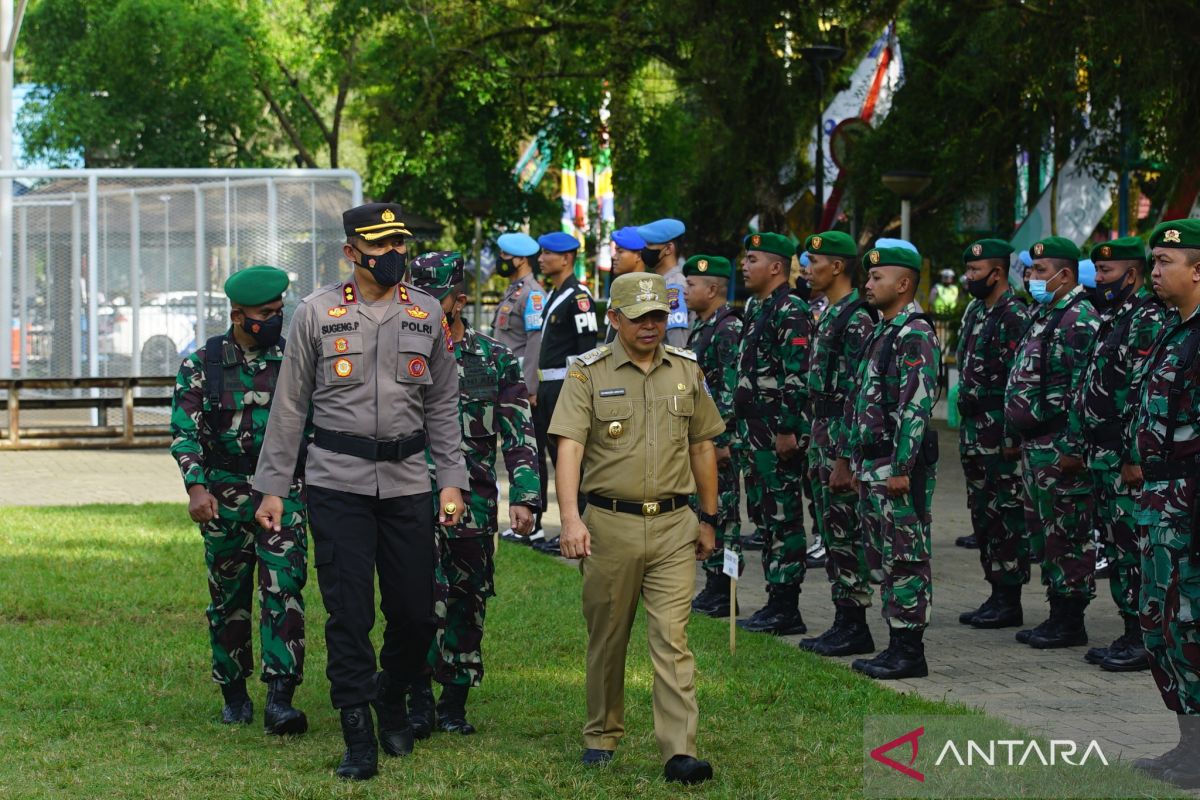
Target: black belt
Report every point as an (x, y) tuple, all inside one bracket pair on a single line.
[(371, 449), (1050, 426), (649, 509), (974, 406), (877, 450), (1107, 435), (1170, 470), (237, 463), (828, 408)]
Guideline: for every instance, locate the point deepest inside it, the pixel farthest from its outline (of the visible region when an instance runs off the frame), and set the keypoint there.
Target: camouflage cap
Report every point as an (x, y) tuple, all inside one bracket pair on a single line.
[(831, 243), (708, 267), (1177, 233), (986, 249), (256, 285), (638, 293), (1055, 247), (437, 272), (892, 257), (767, 242), (1127, 248)]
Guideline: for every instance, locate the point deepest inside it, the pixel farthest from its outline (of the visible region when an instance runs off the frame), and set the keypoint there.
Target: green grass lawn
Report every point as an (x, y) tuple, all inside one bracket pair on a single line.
[(104, 675)]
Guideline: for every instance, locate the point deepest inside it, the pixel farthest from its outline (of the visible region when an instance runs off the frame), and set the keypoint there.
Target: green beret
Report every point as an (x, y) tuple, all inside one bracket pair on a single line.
[(708, 267), (831, 243), (256, 285), (985, 249), (1054, 247), (892, 257), (775, 243), (1127, 248), (1177, 233)]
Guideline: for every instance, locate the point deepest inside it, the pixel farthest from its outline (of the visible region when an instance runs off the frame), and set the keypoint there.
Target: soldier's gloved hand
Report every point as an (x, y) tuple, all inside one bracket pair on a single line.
[(786, 445), (450, 494), (706, 544), (840, 479), (521, 519), (270, 512), (897, 486), (202, 506), (1070, 465), (574, 541), (1131, 475)]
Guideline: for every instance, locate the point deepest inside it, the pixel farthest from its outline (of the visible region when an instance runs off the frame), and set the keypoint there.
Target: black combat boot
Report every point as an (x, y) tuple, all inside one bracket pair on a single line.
[(238, 709), (360, 762), (753, 542), (1127, 653), (1070, 631), (968, 617), (395, 732), (839, 622), (718, 605), (1046, 627), (279, 717), (781, 614), (420, 708), (1180, 757), (904, 657), (452, 710), (970, 541), (854, 637), (1005, 610)]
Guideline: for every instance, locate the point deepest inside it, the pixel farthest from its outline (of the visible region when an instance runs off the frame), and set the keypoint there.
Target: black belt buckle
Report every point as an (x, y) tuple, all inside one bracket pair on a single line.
[(388, 450)]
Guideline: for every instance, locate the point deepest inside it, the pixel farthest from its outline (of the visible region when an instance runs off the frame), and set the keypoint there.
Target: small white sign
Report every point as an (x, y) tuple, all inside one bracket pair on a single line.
[(731, 564)]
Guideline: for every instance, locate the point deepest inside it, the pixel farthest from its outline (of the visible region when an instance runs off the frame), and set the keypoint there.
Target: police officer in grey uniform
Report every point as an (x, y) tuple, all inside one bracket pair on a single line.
[(374, 359), (661, 255)]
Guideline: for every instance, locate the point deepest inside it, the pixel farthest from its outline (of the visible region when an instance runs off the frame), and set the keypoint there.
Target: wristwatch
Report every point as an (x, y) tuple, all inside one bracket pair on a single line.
[(709, 519)]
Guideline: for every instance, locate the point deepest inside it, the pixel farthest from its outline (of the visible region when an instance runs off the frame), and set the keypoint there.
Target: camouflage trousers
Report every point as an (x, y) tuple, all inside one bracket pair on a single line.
[(729, 527), (996, 499), (835, 520), (233, 544), (1059, 522), (774, 498), (466, 575), (898, 548), (1170, 614), (1115, 509)]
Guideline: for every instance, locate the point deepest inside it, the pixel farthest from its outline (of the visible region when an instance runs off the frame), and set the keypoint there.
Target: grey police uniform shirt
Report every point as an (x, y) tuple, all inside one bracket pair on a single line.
[(385, 374), (518, 324), (678, 327)]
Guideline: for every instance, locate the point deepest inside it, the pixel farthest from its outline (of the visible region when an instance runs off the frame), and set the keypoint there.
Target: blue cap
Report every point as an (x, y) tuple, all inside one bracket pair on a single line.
[(907, 245), (1025, 259), (558, 242), (628, 238), (517, 244), (661, 231), (804, 258), (1087, 273)]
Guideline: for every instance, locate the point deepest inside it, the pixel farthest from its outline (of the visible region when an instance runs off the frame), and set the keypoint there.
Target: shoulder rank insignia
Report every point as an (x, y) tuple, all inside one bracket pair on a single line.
[(348, 294), (679, 351), (337, 311), (402, 294), (592, 356)]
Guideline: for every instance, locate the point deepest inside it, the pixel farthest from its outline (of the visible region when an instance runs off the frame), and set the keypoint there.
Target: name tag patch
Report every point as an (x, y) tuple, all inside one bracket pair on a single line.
[(612, 392)]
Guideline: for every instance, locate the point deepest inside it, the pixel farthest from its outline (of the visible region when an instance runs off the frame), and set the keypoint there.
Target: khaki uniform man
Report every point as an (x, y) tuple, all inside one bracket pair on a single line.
[(638, 418)]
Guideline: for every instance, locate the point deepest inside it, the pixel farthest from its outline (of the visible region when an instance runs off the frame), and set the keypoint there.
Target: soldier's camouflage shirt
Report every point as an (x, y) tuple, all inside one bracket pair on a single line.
[(832, 371), (1124, 340), (987, 350), (493, 400), (718, 361), (893, 401), (779, 361), (1044, 386)]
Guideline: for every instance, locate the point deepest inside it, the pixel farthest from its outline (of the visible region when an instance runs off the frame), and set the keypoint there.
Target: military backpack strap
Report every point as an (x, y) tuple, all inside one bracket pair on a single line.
[(836, 333), (750, 343), (723, 315), (1187, 358), (1047, 334), (889, 340), (214, 376)]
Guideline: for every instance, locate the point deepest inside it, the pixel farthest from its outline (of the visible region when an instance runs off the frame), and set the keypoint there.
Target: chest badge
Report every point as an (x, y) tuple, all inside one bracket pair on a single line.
[(417, 313), (339, 311), (416, 367), (615, 429), (340, 345), (680, 386), (342, 367)]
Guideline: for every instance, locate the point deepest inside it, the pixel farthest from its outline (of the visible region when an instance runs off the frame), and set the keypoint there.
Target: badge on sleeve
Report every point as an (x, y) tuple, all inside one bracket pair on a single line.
[(340, 345), (416, 367), (584, 302)]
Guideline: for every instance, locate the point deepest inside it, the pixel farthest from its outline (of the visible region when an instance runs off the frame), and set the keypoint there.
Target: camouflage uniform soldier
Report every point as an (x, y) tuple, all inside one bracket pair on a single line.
[(492, 400), (222, 398), (895, 457), (1040, 406), (1133, 318), (772, 429), (991, 330), (714, 339), (841, 334), (1166, 456)]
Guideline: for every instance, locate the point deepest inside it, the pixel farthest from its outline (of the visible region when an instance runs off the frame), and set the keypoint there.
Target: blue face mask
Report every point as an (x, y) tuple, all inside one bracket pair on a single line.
[(1038, 291)]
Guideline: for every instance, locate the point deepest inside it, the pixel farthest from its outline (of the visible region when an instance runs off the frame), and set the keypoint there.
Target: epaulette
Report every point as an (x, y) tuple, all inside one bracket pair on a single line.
[(327, 289), (592, 356), (679, 351)]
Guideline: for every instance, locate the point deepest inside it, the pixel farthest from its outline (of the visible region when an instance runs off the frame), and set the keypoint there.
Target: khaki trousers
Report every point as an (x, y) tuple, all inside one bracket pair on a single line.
[(655, 558)]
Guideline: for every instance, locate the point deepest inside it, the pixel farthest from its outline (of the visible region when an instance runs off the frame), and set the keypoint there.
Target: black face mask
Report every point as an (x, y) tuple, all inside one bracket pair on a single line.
[(650, 257), (387, 269), (980, 289), (505, 267), (1108, 295), (803, 289), (265, 332)]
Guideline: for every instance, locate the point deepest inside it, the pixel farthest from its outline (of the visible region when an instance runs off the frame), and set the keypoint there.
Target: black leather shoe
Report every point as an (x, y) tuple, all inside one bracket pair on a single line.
[(853, 639), (904, 658), (395, 733), (1070, 631), (238, 709), (753, 542), (1045, 627), (549, 547), (967, 617), (1004, 612), (452, 710), (593, 757), (420, 708), (717, 602), (1096, 655), (839, 622), (703, 601), (360, 762), (279, 717), (1127, 653), (780, 616), (687, 770), (969, 542)]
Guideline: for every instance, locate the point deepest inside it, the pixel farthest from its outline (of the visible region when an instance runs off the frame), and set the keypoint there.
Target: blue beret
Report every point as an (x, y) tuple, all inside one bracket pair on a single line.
[(1024, 258), (1087, 273), (558, 242), (517, 244), (804, 258), (661, 231), (902, 243), (628, 238)]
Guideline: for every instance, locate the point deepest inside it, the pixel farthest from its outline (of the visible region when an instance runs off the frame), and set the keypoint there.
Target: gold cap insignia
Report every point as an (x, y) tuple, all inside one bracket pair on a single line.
[(816, 243), (645, 286), (1038, 248), (1172, 236), (387, 215), (1106, 251), (756, 240), (976, 249), (874, 256), (702, 265), (615, 429)]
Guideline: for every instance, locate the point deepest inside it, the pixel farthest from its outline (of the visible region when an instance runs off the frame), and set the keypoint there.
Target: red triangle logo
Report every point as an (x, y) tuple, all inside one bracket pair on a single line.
[(909, 738)]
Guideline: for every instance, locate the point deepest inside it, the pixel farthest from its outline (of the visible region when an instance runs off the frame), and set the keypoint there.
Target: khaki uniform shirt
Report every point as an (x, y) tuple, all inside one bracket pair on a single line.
[(636, 427), (384, 373), (518, 325)]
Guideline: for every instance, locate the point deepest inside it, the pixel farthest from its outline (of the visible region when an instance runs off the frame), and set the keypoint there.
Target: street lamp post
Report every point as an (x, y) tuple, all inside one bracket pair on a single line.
[(906, 184), (819, 54)]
